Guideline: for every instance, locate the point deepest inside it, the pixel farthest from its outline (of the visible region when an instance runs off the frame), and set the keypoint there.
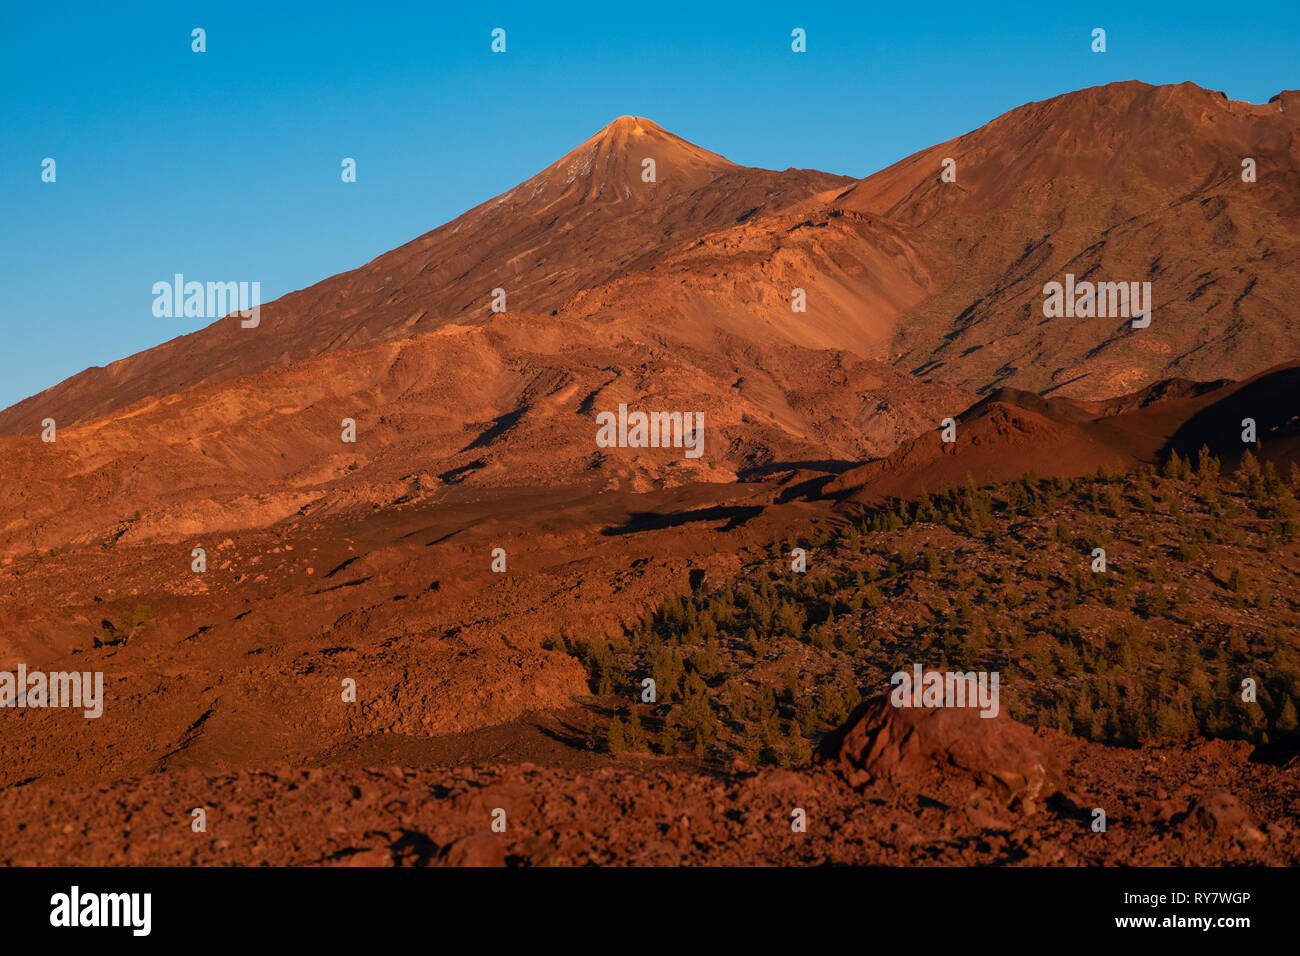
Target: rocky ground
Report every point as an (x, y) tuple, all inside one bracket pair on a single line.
[(1176, 802)]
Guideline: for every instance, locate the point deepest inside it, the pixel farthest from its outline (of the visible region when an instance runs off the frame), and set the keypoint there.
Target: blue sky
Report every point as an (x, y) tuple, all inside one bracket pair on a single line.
[(225, 165)]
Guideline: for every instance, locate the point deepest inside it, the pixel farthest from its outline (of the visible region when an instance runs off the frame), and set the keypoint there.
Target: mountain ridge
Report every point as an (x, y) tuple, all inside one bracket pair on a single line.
[(561, 239)]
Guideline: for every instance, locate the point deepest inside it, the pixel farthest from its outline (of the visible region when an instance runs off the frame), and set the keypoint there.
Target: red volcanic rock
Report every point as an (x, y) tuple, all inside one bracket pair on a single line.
[(474, 851), (1222, 817), (375, 856), (909, 744)]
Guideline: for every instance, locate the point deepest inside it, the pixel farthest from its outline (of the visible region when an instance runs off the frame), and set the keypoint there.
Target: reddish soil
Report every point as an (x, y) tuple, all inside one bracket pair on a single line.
[(1193, 803)]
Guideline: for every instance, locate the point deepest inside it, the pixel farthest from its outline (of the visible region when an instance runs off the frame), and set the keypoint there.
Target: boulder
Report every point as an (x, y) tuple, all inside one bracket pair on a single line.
[(917, 746), (1220, 816), (480, 850)]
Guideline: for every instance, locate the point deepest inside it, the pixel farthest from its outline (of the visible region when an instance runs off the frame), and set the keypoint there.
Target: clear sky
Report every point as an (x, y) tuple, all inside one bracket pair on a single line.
[(225, 165)]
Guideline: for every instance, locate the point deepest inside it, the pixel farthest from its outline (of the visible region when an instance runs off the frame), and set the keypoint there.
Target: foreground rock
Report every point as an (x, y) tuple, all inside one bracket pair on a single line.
[(927, 748), (440, 817)]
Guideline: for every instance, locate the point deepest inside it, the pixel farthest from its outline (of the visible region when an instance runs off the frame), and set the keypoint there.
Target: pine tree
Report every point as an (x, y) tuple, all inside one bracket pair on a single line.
[(1287, 720), (1249, 467), (634, 735), (1207, 466), (1174, 467), (615, 740)]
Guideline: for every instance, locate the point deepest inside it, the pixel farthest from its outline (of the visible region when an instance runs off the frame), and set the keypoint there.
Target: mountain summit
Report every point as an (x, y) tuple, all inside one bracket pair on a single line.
[(627, 160)]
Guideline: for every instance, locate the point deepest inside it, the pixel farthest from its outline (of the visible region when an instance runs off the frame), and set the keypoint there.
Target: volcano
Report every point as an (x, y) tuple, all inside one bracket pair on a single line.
[(409, 476)]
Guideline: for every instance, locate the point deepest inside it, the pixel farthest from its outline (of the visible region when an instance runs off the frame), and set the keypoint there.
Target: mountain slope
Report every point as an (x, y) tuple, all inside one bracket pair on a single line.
[(681, 294), (583, 220), (1126, 182), (1010, 432)]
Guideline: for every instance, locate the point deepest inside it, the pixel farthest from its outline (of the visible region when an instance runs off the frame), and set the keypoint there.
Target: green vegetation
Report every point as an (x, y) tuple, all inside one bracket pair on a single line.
[(128, 625), (994, 577)]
